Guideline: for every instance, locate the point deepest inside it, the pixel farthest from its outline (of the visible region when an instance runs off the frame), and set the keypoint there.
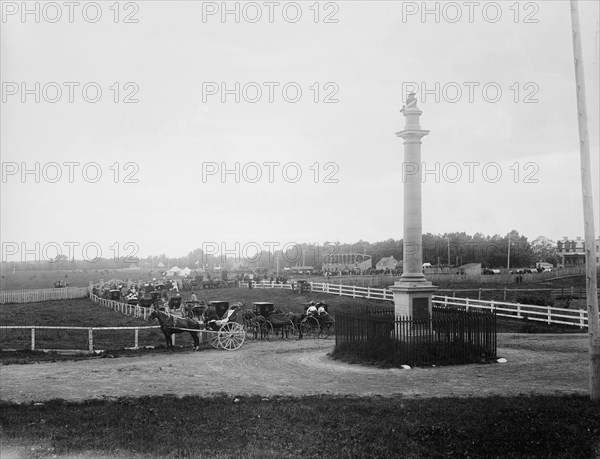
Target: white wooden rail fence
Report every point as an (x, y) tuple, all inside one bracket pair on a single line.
[(550, 315), (547, 314), (90, 331), (124, 308), (45, 294)]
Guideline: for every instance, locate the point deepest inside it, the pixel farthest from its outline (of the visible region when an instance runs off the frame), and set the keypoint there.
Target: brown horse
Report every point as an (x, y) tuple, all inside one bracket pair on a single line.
[(297, 319), (170, 325)]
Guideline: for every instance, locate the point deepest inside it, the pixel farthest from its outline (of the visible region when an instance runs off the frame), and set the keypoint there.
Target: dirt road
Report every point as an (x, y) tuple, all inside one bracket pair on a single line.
[(541, 364)]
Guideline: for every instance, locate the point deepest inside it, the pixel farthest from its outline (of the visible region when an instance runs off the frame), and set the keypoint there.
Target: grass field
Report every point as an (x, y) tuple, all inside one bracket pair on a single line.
[(258, 427), (20, 280), (326, 426), (84, 313)]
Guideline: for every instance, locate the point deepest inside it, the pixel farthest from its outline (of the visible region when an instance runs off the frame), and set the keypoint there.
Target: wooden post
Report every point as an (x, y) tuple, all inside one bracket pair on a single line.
[(33, 339), (588, 209), (136, 337), (91, 339)]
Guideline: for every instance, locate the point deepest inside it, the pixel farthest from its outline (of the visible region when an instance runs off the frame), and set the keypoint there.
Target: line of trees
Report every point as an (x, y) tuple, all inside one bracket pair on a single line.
[(448, 249)]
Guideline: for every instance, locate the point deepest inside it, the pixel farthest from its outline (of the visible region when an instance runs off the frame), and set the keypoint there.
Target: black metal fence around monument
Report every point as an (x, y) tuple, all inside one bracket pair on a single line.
[(448, 336)]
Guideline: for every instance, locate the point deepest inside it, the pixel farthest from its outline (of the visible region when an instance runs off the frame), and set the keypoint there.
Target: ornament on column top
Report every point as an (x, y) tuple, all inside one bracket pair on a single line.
[(411, 102)]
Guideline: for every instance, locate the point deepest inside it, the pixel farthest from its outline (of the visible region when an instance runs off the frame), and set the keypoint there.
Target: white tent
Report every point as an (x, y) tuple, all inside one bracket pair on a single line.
[(174, 271), (185, 271)]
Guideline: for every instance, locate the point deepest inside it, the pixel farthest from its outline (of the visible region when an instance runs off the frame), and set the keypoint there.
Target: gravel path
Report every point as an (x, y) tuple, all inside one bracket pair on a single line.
[(541, 364)]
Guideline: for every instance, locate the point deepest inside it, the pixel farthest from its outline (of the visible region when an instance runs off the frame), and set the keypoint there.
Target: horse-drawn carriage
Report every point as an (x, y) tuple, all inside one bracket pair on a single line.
[(302, 286), (175, 302), (133, 298), (264, 320), (217, 325), (319, 324), (114, 295)]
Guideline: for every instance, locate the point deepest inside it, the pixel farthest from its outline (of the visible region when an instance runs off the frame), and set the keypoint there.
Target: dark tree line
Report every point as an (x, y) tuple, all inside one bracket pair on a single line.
[(448, 249)]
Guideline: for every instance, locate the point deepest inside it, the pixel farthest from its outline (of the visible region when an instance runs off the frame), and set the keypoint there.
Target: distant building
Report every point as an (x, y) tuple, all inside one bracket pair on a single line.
[(386, 263), (347, 261), (572, 252)]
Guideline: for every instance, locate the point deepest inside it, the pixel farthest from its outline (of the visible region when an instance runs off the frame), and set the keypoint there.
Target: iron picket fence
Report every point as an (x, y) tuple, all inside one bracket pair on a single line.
[(448, 336)]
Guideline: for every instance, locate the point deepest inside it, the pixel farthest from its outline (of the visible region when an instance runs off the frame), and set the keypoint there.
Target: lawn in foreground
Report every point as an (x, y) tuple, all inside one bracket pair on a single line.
[(223, 426)]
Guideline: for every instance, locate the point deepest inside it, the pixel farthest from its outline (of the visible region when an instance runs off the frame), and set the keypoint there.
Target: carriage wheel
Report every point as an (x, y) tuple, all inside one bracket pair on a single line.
[(213, 339), (291, 328), (327, 330), (231, 336), (310, 327)]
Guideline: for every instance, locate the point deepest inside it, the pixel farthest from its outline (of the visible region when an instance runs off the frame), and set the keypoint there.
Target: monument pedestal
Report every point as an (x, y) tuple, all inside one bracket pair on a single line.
[(413, 299)]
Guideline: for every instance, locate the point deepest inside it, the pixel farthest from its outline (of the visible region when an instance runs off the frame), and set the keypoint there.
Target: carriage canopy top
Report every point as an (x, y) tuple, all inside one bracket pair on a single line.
[(220, 306), (263, 308)]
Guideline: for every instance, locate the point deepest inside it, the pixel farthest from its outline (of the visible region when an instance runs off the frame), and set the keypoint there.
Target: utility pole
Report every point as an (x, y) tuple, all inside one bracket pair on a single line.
[(448, 252), (588, 209), (508, 259)]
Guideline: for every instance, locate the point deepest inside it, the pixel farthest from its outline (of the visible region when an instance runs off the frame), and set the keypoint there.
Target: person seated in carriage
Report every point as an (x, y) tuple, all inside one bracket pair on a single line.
[(322, 311), (175, 302), (210, 315), (193, 298), (165, 302), (312, 309)]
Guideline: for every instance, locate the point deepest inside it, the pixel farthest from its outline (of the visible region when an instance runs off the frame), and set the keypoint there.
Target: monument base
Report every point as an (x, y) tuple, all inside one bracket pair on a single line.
[(412, 300)]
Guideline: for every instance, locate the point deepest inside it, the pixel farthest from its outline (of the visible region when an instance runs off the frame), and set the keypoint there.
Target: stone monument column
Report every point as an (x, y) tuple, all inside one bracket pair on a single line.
[(412, 293)]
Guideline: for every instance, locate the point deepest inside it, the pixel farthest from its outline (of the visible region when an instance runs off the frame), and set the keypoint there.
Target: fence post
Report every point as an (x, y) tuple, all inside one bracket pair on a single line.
[(136, 335), (519, 311), (33, 339), (354, 291), (368, 292), (581, 318), (467, 304), (549, 315), (445, 301), (479, 298), (91, 339)]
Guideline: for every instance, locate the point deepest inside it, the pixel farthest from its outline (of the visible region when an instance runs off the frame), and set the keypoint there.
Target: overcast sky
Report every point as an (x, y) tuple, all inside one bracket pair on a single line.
[(313, 156)]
